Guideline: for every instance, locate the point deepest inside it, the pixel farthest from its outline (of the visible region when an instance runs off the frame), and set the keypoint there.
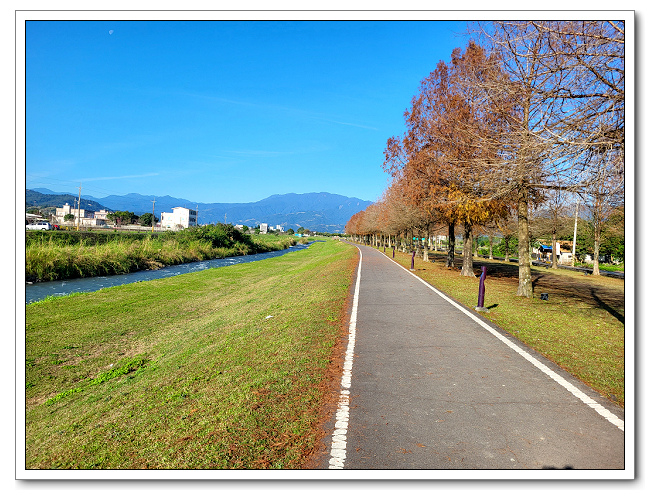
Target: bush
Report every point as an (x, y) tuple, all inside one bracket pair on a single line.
[(219, 235)]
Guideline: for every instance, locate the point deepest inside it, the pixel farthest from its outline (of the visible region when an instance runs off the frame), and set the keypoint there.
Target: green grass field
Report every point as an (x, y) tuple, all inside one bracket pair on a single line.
[(216, 369)]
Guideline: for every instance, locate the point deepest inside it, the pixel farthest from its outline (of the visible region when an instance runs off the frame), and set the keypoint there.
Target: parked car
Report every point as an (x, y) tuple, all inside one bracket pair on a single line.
[(42, 225)]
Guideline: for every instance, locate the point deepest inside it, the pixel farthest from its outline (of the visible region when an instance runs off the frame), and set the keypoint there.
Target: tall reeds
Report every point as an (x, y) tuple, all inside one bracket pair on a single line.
[(56, 258)]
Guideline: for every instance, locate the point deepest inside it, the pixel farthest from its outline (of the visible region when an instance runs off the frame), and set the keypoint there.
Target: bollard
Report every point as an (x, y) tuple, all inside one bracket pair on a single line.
[(413, 261), (481, 291)]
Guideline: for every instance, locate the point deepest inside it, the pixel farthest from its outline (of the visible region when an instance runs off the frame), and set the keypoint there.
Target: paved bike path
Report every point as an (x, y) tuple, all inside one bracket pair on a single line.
[(431, 388)]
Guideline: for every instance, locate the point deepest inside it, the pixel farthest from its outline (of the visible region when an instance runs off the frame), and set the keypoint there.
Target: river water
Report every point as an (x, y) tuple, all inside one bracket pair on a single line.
[(38, 291)]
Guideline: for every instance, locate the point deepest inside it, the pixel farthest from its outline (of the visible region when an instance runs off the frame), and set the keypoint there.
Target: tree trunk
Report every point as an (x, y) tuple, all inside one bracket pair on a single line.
[(507, 248), (452, 245), (468, 262), (525, 288), (490, 244), (596, 271)]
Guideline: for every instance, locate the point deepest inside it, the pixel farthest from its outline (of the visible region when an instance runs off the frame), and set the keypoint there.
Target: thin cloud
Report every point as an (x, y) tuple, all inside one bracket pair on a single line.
[(353, 125), (217, 99), (90, 179), (260, 153), (305, 112)]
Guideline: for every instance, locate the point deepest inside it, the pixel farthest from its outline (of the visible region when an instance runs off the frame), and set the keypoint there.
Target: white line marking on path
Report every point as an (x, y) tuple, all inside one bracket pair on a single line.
[(559, 379), (339, 436)]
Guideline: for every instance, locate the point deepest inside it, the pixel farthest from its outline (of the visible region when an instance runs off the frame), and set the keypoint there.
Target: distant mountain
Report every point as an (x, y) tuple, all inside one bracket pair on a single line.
[(44, 198), (315, 211)]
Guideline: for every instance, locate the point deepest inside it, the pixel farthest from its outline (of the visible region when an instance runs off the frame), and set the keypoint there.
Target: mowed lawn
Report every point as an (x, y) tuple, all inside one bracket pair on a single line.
[(216, 369)]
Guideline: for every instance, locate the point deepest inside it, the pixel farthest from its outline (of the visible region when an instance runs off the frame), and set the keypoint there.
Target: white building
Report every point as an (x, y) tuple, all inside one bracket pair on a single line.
[(81, 217), (179, 218), (264, 228), (102, 214)]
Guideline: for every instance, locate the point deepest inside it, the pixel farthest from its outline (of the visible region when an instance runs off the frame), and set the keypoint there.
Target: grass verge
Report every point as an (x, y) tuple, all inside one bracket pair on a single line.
[(581, 327), (209, 370)]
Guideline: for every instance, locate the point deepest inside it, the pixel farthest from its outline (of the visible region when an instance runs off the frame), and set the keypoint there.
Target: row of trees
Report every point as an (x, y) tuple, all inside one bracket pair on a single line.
[(122, 217), (527, 119)]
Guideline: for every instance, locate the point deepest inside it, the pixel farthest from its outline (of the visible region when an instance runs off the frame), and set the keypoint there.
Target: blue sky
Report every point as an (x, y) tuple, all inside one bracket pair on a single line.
[(221, 111)]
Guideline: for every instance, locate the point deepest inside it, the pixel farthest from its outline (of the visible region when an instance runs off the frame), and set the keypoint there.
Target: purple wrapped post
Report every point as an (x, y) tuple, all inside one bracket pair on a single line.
[(481, 291)]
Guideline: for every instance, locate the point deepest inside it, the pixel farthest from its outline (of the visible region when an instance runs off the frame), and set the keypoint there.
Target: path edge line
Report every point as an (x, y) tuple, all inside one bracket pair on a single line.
[(601, 410), (339, 435)]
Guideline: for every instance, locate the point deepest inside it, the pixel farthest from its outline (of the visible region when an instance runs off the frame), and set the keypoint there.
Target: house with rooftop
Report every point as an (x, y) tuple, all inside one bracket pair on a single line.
[(178, 218), (81, 217)]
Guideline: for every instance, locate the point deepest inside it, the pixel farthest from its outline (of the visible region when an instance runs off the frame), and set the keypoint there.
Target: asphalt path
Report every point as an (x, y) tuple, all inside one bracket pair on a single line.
[(431, 385)]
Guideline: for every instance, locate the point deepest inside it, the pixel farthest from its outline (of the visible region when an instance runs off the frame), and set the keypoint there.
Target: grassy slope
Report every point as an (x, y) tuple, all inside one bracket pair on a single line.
[(186, 372), (585, 337)]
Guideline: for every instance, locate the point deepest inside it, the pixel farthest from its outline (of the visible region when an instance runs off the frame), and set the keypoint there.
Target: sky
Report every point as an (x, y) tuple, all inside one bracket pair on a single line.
[(222, 111)]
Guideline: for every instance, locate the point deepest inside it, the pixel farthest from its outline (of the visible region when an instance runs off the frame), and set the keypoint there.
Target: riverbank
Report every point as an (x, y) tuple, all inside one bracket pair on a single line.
[(67, 255), (219, 369), (49, 290)]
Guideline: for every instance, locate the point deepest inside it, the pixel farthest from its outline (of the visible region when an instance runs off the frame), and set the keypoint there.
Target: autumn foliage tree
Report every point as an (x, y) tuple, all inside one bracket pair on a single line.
[(442, 156), (535, 109)]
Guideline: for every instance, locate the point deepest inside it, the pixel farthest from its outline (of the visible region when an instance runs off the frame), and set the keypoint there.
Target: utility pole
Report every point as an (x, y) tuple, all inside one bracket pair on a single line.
[(79, 208), (575, 232), (153, 214), (225, 218), (197, 215)]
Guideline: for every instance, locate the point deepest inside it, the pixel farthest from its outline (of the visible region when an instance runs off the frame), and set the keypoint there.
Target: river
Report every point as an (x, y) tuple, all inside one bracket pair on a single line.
[(38, 291)]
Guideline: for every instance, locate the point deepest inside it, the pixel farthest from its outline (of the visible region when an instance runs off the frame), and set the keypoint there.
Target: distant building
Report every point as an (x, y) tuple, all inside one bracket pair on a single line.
[(264, 228), (102, 214), (179, 218), (81, 217), (30, 218), (544, 252), (67, 209), (279, 228)]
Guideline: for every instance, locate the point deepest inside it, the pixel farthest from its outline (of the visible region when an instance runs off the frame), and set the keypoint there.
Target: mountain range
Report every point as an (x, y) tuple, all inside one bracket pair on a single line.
[(324, 212)]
